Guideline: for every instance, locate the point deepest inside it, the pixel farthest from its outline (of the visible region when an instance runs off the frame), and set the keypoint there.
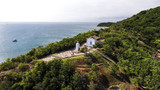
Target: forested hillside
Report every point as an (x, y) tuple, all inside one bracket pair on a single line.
[(135, 42), (131, 43), (145, 25)]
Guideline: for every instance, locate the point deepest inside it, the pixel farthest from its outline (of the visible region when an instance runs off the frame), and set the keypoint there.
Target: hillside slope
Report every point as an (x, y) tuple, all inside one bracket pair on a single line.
[(145, 25), (131, 43)]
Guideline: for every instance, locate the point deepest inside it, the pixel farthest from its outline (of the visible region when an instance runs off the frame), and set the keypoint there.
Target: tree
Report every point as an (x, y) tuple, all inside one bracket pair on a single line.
[(77, 82), (84, 49), (23, 67), (94, 67), (67, 72)]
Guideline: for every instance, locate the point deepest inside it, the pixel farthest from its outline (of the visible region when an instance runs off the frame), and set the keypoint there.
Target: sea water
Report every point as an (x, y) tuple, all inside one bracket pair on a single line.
[(31, 35)]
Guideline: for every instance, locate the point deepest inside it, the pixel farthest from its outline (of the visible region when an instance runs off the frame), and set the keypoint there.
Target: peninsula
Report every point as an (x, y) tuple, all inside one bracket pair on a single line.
[(126, 58)]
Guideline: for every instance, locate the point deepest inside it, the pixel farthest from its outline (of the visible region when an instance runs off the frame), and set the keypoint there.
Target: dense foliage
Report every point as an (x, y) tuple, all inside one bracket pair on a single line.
[(133, 42), (54, 75), (145, 25)]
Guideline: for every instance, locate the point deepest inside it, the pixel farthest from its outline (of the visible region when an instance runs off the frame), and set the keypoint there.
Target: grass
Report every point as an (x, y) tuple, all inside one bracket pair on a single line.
[(76, 60), (35, 61), (112, 80)]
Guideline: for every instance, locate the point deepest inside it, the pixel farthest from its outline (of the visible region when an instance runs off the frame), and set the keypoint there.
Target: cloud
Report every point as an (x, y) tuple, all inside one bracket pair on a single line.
[(71, 10)]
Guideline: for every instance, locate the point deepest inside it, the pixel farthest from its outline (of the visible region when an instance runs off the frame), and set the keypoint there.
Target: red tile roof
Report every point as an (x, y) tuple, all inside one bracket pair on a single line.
[(101, 40), (95, 37)]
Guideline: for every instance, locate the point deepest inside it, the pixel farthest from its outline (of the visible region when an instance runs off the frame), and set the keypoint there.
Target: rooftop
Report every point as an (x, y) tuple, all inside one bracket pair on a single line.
[(95, 37)]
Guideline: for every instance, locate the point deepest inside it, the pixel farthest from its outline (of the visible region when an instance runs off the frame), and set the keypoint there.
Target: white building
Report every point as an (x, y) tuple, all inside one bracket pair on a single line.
[(92, 41), (77, 46)]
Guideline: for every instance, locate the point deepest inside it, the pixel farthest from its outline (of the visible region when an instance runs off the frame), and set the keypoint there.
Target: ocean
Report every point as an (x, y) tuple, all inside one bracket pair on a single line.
[(31, 35)]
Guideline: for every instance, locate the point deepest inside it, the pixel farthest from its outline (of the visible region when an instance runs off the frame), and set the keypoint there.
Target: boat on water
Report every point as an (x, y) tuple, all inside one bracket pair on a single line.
[(14, 40)]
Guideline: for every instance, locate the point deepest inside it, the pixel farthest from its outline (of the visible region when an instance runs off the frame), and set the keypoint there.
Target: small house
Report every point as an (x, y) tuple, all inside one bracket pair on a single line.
[(92, 41)]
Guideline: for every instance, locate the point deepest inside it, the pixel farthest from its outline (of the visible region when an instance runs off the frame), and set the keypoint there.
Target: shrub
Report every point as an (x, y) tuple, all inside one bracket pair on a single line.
[(84, 49), (114, 70), (88, 60), (8, 65), (23, 67), (94, 67), (98, 45), (106, 64), (77, 82)]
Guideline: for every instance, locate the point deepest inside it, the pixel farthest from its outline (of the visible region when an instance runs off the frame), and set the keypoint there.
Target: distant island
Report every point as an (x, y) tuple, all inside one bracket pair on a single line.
[(105, 24)]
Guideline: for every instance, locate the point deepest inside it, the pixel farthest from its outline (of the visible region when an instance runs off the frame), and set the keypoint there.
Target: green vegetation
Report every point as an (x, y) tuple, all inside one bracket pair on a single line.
[(84, 49), (132, 43), (57, 74), (145, 26), (8, 65), (98, 45), (23, 67), (88, 58), (52, 75), (93, 77)]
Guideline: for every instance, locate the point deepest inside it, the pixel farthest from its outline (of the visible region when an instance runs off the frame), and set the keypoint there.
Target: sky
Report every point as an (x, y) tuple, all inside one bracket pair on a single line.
[(71, 10)]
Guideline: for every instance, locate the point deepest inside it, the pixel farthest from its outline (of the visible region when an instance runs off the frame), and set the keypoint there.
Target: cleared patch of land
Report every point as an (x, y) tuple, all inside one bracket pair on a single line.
[(66, 54)]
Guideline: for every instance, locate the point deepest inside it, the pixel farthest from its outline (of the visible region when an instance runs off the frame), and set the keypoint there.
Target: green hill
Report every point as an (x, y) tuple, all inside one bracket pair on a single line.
[(146, 18), (131, 43), (135, 41), (145, 25)]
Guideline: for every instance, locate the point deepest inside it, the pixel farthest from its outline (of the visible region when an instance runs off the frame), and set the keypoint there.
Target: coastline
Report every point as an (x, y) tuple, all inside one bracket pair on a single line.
[(38, 34)]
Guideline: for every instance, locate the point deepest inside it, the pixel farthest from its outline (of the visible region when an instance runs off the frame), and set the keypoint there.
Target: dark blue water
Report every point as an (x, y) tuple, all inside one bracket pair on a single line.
[(31, 35)]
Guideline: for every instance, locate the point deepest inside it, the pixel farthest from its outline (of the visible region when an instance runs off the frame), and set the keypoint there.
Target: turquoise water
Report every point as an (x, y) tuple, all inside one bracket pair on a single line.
[(31, 35)]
